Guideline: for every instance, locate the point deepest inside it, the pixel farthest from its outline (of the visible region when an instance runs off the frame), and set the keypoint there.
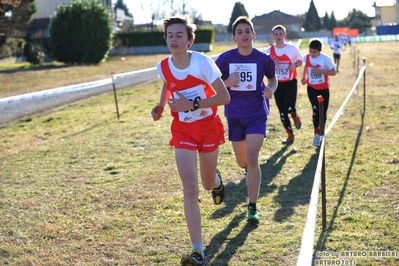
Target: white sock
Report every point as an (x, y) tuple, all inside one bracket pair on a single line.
[(219, 182), (199, 246)]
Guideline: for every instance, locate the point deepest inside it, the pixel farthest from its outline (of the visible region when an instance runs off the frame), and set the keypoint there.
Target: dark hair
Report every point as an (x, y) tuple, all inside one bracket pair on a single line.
[(185, 20), (244, 20), (315, 44), (279, 27)]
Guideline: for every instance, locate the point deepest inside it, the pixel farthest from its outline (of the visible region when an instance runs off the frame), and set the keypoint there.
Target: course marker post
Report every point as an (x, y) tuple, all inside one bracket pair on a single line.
[(364, 85), (116, 100), (323, 167)]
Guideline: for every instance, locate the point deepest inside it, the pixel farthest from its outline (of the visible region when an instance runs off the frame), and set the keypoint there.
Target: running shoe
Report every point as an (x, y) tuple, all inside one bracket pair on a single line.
[(316, 140), (290, 139), (297, 122), (218, 194), (193, 259), (253, 217)]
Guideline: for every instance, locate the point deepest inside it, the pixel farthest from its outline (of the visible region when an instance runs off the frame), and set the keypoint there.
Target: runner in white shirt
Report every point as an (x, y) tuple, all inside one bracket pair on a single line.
[(336, 45), (287, 57), (317, 69)]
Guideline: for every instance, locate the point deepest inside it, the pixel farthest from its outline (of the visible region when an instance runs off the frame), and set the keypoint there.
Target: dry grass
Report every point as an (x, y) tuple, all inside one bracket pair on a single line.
[(80, 187), (22, 78)]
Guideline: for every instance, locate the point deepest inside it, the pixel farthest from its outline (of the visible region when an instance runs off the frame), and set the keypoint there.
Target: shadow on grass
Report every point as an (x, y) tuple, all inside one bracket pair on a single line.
[(271, 168), (297, 191), (89, 128), (233, 244), (32, 68), (236, 194), (325, 233)]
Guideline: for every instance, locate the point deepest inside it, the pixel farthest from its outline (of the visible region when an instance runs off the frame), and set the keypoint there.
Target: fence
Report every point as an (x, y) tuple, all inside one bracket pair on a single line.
[(305, 256), (15, 107), (136, 77), (378, 38)]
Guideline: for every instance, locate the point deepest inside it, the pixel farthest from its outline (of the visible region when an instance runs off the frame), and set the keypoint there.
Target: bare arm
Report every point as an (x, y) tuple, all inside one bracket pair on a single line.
[(157, 111), (330, 72), (304, 73), (221, 97), (233, 80), (292, 67), (271, 87)]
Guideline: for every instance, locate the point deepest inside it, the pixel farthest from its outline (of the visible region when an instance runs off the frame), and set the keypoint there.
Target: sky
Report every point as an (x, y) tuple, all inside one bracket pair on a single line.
[(219, 11)]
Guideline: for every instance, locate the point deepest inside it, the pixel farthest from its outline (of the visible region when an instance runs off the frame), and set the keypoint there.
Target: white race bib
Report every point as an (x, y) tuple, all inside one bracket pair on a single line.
[(247, 73), (315, 79), (198, 93), (283, 72)]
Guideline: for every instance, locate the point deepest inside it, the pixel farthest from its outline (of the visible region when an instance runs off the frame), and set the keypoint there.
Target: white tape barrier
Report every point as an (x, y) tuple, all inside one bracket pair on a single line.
[(15, 107), (122, 80), (51, 92), (306, 252), (18, 106)]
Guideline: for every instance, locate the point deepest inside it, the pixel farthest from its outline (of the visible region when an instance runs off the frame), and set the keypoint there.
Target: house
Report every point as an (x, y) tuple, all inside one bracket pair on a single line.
[(386, 13), (121, 19), (39, 27), (386, 20), (45, 8), (263, 24)]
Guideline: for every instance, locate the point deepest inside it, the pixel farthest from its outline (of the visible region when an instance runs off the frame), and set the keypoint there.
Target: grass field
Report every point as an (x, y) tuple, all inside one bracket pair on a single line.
[(20, 78), (80, 187)]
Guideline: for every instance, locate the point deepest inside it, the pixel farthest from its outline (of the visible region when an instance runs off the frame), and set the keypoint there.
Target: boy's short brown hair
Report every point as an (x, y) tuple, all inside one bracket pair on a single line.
[(315, 44), (185, 20), (243, 20), (279, 27)]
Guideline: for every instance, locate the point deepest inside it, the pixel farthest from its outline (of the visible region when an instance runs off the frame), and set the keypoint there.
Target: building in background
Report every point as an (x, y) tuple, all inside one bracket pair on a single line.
[(45, 8), (386, 20), (264, 23), (39, 27), (121, 20), (386, 13)]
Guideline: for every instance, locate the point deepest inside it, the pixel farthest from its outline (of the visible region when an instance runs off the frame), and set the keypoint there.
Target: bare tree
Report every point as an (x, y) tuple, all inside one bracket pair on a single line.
[(156, 13), (161, 8), (182, 7)]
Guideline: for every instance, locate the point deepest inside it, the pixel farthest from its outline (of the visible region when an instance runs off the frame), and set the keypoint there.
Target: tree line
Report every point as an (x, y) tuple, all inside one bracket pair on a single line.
[(15, 16), (356, 19), (311, 19)]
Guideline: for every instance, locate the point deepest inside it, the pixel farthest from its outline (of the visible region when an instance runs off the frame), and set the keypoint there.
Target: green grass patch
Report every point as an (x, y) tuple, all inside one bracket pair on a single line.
[(80, 187)]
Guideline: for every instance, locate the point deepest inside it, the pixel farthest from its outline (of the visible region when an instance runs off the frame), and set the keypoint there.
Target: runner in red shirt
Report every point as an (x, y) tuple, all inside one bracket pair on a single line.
[(287, 57), (318, 67), (193, 89)]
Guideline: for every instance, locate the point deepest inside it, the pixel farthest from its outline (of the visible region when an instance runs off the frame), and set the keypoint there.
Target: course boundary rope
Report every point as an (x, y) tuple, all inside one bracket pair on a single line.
[(305, 256)]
